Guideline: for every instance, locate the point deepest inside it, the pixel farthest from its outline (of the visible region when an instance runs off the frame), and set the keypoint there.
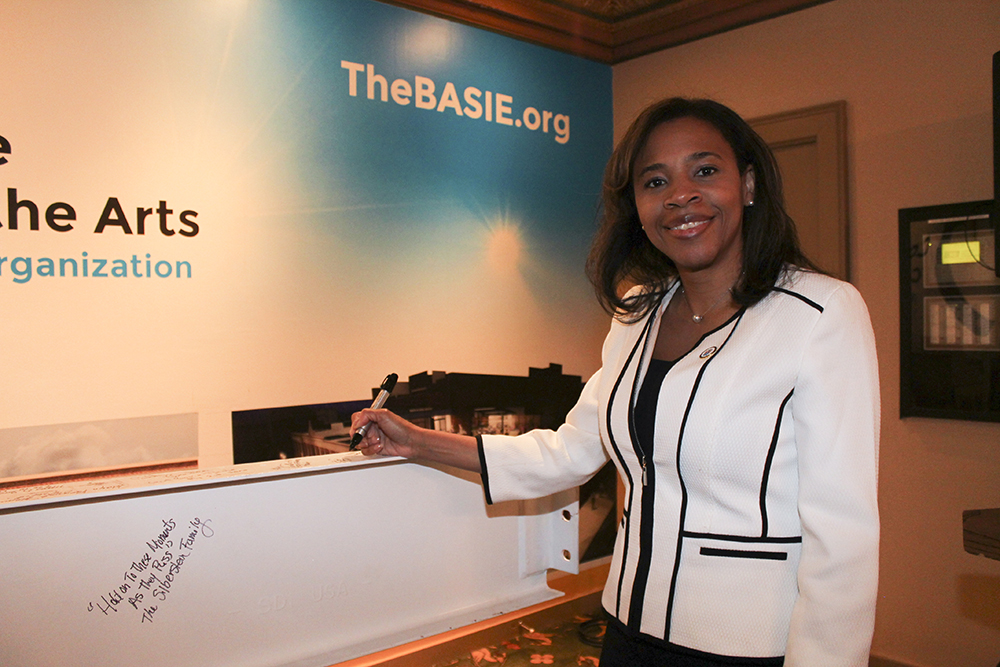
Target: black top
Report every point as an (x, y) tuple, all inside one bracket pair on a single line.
[(645, 404)]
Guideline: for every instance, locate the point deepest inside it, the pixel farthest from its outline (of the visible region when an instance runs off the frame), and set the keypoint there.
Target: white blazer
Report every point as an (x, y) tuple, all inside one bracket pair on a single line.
[(762, 484)]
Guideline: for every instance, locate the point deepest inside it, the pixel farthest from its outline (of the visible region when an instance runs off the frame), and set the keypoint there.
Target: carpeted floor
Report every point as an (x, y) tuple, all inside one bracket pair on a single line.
[(573, 643)]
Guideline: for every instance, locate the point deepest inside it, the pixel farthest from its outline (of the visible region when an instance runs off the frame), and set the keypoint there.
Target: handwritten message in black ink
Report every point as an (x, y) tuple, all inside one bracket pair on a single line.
[(147, 582)]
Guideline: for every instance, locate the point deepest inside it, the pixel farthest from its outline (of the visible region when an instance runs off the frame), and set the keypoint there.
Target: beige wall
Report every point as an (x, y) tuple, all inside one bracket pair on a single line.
[(916, 75)]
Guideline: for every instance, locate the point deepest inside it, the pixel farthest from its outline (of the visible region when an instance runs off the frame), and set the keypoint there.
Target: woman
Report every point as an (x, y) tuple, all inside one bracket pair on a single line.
[(738, 398)]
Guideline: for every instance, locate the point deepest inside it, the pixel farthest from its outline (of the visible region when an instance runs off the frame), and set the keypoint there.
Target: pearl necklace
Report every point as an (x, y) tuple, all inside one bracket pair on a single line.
[(698, 318)]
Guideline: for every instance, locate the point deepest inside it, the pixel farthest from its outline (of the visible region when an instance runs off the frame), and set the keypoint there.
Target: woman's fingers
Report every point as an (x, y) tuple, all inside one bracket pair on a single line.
[(376, 439)]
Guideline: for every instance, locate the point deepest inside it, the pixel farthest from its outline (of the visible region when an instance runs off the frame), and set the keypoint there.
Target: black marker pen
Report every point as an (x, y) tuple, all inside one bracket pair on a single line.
[(383, 395)]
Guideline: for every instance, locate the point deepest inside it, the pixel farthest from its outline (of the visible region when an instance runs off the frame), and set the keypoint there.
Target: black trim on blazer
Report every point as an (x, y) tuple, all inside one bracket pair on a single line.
[(484, 475), (680, 475), (767, 465), (623, 466), (741, 553), (744, 538), (799, 296)]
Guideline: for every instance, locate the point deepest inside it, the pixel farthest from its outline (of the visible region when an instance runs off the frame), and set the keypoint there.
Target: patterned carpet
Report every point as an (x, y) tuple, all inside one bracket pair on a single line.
[(573, 643)]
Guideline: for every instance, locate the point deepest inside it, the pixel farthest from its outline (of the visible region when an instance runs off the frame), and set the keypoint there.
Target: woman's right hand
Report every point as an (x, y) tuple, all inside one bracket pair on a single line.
[(388, 434)]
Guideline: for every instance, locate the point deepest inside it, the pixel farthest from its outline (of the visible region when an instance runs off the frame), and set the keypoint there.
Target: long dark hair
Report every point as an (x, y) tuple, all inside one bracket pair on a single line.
[(621, 253)]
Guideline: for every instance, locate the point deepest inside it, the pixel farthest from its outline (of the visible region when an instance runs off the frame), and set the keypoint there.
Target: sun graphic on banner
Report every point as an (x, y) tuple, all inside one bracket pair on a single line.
[(505, 247)]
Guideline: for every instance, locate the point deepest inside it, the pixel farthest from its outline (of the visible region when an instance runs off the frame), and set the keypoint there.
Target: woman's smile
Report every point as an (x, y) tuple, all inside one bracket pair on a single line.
[(690, 222)]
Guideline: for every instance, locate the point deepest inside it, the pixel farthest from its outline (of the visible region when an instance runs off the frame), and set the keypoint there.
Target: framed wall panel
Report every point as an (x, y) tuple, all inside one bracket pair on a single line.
[(949, 296)]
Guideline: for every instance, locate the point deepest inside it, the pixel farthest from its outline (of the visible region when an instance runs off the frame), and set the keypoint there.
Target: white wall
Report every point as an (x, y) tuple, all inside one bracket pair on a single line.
[(916, 75)]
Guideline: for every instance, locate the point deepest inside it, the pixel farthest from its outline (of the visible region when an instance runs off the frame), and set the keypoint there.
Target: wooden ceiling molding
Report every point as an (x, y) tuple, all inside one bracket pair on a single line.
[(608, 31)]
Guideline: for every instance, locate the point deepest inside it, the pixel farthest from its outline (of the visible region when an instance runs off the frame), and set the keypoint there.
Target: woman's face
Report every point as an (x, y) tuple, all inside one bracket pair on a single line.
[(690, 196)]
